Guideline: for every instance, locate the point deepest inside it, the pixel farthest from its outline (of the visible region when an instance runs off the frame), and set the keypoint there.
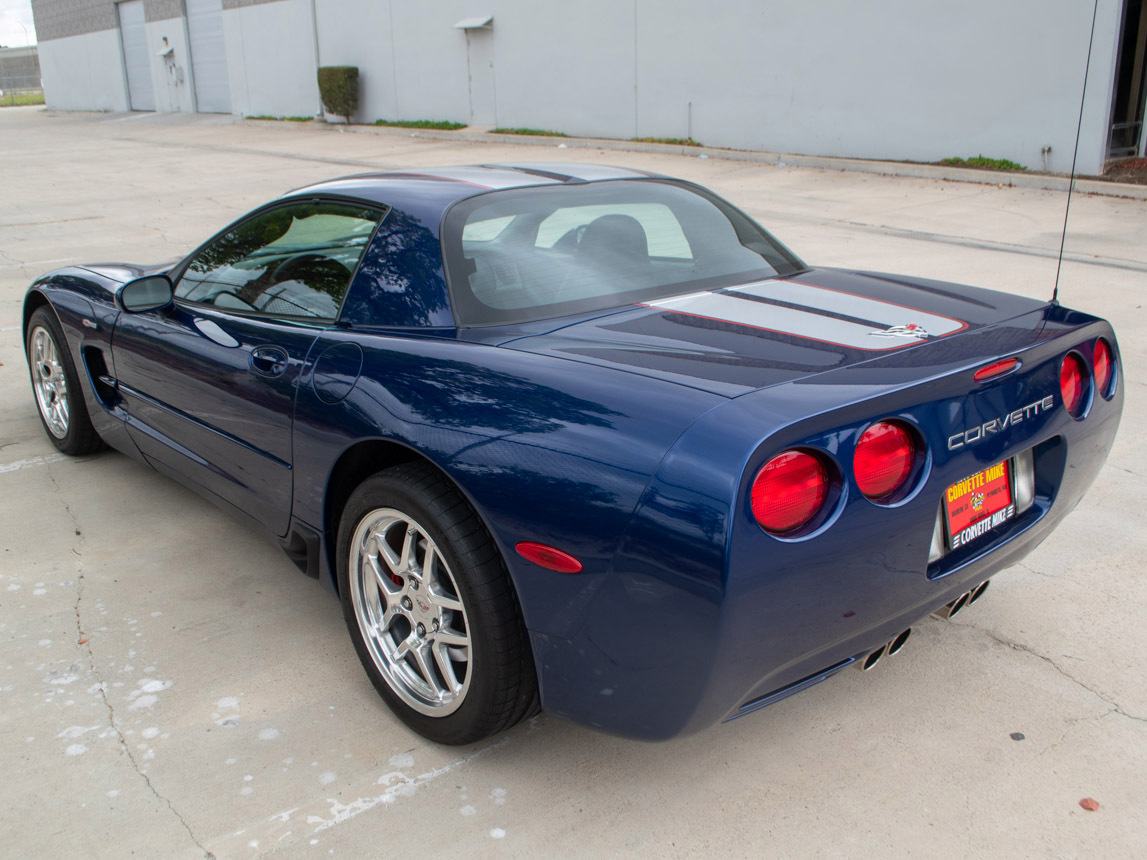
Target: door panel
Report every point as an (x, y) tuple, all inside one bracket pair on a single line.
[(210, 396), (136, 62), (208, 56)]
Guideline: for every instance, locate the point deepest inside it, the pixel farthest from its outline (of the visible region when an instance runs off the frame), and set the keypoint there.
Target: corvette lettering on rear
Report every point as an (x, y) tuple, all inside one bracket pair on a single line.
[(999, 425)]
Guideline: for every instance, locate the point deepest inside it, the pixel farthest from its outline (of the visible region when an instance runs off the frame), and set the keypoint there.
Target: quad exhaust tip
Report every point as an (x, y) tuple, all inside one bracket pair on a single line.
[(962, 602), (886, 650)]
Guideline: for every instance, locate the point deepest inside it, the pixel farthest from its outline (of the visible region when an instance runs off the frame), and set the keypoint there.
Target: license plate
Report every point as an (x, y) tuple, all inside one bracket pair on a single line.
[(979, 503)]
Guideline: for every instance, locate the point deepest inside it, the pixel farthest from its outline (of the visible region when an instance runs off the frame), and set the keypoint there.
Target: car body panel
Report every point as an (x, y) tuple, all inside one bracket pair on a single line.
[(628, 437)]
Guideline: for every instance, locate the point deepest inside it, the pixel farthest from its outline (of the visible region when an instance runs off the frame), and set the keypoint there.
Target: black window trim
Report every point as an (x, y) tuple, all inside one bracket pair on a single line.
[(176, 272)]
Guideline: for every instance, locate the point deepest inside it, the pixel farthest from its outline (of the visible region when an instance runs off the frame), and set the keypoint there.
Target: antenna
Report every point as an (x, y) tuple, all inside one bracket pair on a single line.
[(1075, 153)]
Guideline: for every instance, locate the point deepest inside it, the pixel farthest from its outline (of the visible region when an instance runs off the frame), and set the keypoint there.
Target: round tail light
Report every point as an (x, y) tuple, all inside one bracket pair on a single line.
[(883, 460), (1104, 366), (789, 491), (1071, 382)]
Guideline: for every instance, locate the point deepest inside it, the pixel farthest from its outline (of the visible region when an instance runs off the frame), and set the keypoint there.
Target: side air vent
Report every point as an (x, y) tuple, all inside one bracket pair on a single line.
[(102, 381)]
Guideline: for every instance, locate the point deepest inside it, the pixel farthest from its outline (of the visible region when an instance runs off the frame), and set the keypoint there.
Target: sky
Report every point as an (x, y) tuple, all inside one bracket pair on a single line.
[(13, 13)]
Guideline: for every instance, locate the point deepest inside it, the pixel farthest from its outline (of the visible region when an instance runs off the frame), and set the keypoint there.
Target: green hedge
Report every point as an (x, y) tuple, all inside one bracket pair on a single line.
[(338, 88)]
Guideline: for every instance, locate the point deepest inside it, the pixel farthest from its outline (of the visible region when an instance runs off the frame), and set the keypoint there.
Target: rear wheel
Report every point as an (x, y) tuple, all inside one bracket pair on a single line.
[(430, 608), (56, 386)]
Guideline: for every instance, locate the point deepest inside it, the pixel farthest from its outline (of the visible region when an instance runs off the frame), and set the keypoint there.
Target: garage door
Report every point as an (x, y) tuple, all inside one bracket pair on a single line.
[(208, 55), (133, 37)]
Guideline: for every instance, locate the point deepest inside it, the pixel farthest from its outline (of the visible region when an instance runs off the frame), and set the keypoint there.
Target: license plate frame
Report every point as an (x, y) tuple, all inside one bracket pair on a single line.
[(979, 504)]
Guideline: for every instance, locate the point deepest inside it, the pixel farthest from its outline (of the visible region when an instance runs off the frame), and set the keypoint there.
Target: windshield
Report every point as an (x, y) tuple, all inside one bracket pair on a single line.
[(533, 253)]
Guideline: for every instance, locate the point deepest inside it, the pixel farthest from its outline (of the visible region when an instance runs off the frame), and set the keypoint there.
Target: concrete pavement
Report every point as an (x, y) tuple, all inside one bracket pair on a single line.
[(171, 686)]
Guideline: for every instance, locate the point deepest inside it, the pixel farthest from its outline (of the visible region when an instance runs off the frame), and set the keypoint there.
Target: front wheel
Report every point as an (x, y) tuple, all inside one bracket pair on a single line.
[(431, 609), (57, 387)]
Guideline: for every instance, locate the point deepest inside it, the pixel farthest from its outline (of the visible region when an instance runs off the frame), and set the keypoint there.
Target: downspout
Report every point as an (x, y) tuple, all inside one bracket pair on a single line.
[(315, 32)]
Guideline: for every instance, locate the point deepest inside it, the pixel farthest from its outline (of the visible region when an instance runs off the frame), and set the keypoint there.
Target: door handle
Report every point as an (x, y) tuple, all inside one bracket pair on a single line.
[(269, 360)]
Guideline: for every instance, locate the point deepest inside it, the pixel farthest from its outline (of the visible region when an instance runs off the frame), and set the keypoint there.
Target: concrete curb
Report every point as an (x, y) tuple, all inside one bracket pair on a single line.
[(1041, 181)]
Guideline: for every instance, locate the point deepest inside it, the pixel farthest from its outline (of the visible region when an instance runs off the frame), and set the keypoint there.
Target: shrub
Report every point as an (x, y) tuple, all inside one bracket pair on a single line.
[(982, 161), (338, 88)]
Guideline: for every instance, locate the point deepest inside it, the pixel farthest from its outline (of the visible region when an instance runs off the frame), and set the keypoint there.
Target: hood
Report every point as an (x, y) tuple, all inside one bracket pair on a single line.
[(764, 333)]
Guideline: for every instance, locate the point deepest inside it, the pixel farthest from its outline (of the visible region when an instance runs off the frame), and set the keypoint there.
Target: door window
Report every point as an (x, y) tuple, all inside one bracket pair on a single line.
[(291, 261)]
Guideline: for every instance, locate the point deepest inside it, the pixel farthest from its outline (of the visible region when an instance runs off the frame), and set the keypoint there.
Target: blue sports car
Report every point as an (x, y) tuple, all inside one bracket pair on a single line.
[(584, 438)]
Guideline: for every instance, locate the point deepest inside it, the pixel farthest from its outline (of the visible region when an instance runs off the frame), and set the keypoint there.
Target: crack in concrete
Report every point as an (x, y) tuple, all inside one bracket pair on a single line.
[(1032, 570), (1016, 646), (84, 641)]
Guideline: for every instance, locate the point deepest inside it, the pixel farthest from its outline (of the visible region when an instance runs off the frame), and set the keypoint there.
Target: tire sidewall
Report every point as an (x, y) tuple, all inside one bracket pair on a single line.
[(384, 491), (72, 442)]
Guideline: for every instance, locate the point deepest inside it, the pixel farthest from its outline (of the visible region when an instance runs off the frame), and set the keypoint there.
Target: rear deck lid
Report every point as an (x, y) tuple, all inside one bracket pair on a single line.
[(759, 334)]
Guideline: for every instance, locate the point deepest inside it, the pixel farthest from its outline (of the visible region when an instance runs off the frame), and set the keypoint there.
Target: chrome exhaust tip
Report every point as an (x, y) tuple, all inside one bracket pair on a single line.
[(977, 592), (896, 644), (949, 609), (870, 661)]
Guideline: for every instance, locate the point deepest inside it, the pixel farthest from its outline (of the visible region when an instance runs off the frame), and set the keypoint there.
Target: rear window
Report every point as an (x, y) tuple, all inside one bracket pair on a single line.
[(533, 253)]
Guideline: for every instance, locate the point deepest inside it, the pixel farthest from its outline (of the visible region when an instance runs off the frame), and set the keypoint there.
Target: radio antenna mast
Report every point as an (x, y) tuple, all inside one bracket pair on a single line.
[(1075, 153)]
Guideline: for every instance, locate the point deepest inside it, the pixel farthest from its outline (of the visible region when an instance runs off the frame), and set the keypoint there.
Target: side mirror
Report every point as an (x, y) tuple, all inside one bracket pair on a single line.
[(145, 294)]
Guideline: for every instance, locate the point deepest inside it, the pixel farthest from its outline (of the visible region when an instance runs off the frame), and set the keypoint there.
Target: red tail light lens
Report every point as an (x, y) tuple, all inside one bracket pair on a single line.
[(1104, 366), (883, 460), (789, 491), (1071, 382)]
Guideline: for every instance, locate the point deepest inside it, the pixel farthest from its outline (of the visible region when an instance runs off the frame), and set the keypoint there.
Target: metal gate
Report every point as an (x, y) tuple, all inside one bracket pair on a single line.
[(133, 36), (208, 56)]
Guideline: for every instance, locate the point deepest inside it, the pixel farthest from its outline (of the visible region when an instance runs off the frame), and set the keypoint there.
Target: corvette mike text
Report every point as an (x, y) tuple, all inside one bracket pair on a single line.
[(583, 438)]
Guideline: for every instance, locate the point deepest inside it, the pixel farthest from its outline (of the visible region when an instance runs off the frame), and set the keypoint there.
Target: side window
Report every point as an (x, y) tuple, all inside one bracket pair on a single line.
[(294, 260)]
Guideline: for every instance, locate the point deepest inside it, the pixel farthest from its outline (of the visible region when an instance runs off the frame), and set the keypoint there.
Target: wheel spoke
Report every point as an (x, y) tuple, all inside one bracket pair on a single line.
[(438, 596), (445, 667), (408, 546), (387, 587), (449, 637), (425, 669), (387, 552)]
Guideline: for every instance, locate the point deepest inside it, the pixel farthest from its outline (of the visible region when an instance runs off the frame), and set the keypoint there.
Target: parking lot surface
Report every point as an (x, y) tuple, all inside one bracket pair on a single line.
[(171, 686)]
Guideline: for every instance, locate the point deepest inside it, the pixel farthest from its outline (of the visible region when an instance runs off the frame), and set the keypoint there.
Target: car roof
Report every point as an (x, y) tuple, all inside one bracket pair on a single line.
[(447, 185)]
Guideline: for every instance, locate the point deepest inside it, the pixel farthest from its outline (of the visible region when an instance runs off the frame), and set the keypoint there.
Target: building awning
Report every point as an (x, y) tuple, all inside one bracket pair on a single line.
[(481, 22)]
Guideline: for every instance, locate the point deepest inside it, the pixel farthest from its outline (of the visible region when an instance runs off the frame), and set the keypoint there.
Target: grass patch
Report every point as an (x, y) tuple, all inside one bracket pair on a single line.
[(283, 118), (444, 125), (537, 131), (676, 141), (981, 161), (22, 99)]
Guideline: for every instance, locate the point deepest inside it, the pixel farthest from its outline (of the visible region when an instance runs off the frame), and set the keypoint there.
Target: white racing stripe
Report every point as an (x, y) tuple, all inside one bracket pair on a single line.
[(731, 308), (834, 301)]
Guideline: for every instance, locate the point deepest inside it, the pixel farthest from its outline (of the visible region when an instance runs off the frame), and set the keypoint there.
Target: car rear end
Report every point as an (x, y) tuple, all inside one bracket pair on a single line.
[(877, 494)]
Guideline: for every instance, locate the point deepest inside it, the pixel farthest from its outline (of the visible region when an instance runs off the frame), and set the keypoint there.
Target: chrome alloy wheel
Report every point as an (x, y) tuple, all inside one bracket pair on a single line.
[(410, 612), (49, 382)]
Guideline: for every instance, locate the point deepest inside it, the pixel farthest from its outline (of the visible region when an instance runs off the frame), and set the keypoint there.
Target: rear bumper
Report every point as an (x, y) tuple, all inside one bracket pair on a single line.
[(670, 647)]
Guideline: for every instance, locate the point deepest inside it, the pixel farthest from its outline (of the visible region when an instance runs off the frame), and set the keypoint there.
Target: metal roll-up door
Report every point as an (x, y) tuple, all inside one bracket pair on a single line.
[(208, 56), (133, 37)]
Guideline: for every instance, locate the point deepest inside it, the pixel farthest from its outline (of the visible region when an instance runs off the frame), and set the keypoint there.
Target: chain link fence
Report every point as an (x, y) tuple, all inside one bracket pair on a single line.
[(20, 77)]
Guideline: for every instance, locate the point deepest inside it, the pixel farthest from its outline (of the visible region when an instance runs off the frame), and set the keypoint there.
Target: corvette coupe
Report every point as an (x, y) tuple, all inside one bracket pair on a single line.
[(584, 438)]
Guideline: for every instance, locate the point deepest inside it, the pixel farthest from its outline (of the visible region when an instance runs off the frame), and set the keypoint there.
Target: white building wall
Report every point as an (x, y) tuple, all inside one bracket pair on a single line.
[(271, 59), (887, 79), (84, 72), (411, 59)]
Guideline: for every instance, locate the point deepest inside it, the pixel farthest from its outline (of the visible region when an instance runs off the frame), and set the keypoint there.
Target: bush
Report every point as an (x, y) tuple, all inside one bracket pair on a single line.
[(982, 161), (338, 88)]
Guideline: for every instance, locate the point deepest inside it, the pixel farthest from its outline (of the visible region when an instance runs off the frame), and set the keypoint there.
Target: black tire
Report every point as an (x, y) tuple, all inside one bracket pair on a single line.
[(78, 436), (501, 685)]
